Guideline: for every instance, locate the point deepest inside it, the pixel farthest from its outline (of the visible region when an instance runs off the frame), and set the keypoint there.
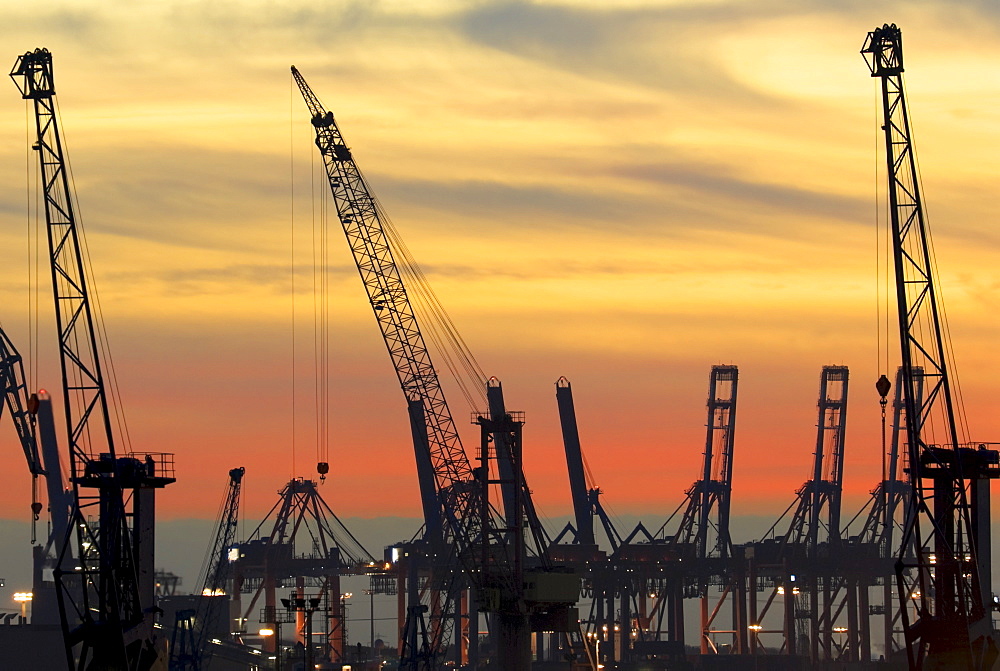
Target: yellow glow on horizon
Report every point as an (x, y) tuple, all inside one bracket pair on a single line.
[(621, 193)]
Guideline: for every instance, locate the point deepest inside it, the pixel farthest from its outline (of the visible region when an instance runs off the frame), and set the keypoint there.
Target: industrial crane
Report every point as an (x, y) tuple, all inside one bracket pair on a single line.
[(513, 483), (697, 533), (32, 417), (702, 541), (586, 499), (21, 406), (802, 561), (942, 567), (695, 550), (469, 524), (452, 490), (105, 602), (192, 626)]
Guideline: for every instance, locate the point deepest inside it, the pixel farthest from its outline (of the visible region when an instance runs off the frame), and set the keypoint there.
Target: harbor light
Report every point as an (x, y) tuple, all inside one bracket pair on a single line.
[(23, 598)]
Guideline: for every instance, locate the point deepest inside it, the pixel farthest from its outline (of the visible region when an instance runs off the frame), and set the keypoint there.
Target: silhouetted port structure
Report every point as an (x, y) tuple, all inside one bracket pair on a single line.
[(104, 581), (809, 592), (904, 582)]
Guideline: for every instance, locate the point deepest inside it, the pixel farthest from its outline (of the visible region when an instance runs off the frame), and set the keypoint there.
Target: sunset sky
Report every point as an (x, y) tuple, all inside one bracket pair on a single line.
[(622, 193)]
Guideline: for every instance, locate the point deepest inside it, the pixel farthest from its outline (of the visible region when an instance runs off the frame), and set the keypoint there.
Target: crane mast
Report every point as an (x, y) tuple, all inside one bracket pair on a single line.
[(937, 569), (698, 540), (802, 555), (106, 603)]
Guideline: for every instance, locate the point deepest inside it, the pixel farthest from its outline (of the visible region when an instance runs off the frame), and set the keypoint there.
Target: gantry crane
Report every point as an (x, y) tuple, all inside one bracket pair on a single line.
[(698, 534), (801, 562), (870, 549), (941, 569), (513, 482), (106, 600), (693, 547), (702, 541), (469, 523), (306, 541)]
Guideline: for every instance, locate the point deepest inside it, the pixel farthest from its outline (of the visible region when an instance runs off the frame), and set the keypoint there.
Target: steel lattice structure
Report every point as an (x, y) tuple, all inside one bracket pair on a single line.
[(711, 493), (937, 568), (802, 562), (458, 494), (361, 218), (17, 402), (188, 652), (102, 604), (485, 544)]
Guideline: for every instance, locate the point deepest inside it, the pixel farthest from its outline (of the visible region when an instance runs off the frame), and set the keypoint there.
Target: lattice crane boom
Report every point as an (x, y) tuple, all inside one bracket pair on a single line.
[(103, 607), (361, 217), (436, 440), (225, 535), (86, 407), (18, 402), (942, 581), (488, 548)]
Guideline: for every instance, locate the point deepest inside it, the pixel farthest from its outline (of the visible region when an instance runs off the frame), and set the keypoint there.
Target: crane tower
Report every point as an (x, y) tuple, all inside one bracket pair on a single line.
[(940, 567), (106, 601)]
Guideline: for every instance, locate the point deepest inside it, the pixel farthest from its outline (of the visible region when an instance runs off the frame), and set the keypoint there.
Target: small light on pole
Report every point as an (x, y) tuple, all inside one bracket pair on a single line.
[(597, 649), (755, 630), (840, 631), (23, 598)]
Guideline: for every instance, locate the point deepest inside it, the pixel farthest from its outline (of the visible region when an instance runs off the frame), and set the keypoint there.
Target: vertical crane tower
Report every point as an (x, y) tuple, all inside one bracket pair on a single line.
[(105, 603), (943, 576)]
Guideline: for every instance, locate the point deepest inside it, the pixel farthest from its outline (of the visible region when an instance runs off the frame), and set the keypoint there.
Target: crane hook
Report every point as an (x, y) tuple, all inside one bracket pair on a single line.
[(882, 387)]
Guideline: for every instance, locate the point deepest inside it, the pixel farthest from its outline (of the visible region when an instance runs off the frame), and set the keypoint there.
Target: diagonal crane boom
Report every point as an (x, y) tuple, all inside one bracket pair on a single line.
[(193, 654), (487, 547), (18, 403), (362, 220), (438, 447)]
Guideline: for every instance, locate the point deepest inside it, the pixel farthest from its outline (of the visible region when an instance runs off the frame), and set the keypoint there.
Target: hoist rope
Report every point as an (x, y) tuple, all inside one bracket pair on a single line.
[(291, 217), (948, 353), (435, 320), (113, 401)]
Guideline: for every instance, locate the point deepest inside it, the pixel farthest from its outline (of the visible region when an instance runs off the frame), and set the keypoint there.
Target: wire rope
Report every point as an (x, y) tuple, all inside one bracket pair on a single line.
[(291, 216), (113, 399)]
